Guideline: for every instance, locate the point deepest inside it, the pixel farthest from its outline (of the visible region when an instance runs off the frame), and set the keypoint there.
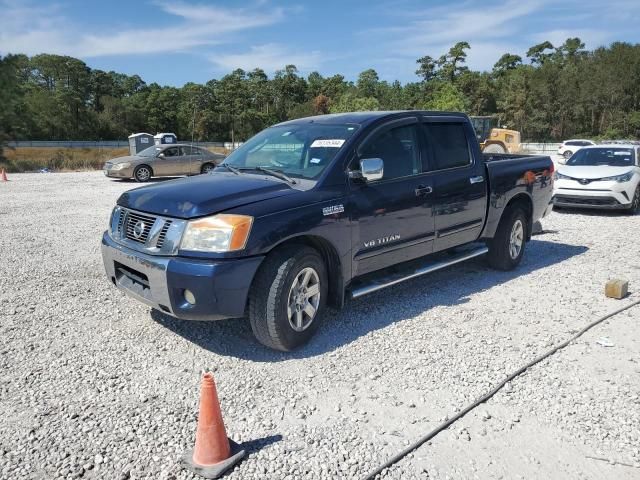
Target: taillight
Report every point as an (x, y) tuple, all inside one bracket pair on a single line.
[(552, 169)]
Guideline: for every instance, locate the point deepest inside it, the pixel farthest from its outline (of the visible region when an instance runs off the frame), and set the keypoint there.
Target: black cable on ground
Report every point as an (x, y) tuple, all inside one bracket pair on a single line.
[(487, 396)]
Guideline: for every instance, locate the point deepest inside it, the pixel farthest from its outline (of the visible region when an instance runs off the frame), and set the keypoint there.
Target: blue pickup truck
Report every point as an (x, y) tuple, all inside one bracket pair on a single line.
[(311, 212)]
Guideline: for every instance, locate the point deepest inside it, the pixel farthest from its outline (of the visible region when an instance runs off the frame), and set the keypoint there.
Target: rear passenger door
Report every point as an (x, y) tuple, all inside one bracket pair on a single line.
[(189, 160), (392, 215), (459, 182)]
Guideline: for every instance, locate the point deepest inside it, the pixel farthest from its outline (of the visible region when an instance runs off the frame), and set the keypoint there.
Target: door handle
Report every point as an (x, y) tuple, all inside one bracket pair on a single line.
[(422, 190), (478, 179)]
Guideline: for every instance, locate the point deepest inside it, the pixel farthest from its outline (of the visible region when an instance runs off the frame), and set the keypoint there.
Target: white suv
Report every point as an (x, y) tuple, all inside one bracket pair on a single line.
[(600, 176), (569, 147)]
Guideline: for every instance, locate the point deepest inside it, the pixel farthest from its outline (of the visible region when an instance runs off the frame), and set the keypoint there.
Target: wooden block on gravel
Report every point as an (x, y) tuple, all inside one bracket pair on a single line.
[(616, 288)]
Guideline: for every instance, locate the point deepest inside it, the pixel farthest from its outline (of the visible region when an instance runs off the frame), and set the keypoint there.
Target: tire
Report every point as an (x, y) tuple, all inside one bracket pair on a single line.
[(504, 254), (635, 203), (275, 295), (207, 167), (142, 173), (494, 148), (567, 154)]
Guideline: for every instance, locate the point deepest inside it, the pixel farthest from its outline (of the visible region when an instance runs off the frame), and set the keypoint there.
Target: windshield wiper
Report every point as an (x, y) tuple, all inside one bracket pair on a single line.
[(275, 173), (230, 168)]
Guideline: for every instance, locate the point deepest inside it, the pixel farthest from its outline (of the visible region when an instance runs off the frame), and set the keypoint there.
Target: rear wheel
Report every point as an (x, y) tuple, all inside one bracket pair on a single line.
[(494, 148), (142, 173), (207, 168), (567, 154), (507, 246), (288, 298)]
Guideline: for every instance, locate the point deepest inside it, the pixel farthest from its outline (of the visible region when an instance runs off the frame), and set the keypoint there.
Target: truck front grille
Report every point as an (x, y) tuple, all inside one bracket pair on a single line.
[(137, 226), (146, 232)]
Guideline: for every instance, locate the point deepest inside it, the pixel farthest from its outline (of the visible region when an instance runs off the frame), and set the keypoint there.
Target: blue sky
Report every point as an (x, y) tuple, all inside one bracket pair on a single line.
[(174, 42)]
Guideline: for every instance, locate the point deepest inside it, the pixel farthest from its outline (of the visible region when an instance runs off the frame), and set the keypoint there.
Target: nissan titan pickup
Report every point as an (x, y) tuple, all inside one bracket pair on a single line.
[(312, 212)]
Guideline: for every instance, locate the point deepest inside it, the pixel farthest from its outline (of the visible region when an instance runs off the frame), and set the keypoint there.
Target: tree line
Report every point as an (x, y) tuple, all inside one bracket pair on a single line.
[(552, 94)]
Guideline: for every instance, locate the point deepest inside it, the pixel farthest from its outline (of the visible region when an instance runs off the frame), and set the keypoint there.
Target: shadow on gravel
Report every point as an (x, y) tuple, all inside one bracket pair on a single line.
[(258, 444), (594, 212), (448, 287), (148, 182)]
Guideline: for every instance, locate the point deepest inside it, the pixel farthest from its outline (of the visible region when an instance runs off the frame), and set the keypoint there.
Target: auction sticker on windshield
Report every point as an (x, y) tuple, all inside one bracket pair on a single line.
[(335, 143)]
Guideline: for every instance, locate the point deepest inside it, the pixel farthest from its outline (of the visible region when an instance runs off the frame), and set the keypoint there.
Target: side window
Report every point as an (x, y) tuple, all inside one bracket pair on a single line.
[(171, 152), (398, 149), (189, 150), (448, 145)]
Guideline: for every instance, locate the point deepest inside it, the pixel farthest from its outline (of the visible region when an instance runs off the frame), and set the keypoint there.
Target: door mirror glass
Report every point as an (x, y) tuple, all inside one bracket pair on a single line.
[(372, 169)]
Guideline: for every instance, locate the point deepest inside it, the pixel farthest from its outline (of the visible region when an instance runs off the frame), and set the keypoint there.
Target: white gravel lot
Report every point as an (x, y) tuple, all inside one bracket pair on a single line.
[(95, 385)]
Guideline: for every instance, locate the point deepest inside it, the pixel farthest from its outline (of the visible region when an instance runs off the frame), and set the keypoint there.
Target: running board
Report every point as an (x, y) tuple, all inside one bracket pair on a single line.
[(429, 267)]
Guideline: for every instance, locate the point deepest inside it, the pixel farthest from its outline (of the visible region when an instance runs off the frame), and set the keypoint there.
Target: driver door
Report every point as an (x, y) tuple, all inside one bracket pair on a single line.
[(393, 216), (168, 162)]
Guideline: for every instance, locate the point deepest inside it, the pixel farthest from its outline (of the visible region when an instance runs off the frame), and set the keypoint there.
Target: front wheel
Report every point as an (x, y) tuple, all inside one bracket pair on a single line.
[(288, 298), (142, 173), (507, 246), (207, 168), (635, 203)]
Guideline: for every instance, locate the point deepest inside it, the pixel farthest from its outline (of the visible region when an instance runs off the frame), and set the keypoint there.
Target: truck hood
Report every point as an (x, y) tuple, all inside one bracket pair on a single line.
[(203, 195), (591, 172)]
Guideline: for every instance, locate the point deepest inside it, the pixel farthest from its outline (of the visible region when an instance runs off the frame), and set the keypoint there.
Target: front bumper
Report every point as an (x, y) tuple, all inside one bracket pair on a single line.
[(124, 173), (221, 287), (607, 195)]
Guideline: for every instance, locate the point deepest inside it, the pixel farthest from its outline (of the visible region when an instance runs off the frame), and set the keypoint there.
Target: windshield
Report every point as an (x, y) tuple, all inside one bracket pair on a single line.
[(297, 150), (149, 152), (613, 157)]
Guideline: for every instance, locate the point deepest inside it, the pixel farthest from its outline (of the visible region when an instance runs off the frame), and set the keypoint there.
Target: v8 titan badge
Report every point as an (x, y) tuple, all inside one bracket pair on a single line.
[(332, 210)]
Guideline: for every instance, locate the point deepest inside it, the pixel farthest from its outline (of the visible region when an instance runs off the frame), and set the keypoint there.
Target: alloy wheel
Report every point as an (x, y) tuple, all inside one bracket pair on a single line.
[(304, 299), (516, 239)]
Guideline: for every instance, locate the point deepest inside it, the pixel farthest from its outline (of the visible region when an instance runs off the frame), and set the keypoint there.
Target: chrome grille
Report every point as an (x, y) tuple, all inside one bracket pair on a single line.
[(149, 233), (137, 226), (163, 233)]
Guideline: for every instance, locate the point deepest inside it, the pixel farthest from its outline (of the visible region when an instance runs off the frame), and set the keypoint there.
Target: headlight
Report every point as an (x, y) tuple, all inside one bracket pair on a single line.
[(560, 176), (625, 177), (220, 233), (120, 166)]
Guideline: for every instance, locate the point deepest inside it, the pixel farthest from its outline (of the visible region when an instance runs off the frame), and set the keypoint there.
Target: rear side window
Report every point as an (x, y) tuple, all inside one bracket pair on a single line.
[(398, 149), (448, 145)]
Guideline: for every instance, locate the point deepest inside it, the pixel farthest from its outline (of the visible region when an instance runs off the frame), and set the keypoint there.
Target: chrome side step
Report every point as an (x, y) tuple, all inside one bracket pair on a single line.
[(385, 282)]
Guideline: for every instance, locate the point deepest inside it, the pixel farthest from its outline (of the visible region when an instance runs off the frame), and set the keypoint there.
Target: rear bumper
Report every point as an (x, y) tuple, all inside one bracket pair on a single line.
[(220, 287)]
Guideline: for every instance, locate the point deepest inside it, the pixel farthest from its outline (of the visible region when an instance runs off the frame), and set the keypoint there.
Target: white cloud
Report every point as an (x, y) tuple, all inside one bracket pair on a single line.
[(32, 30), (591, 37), (497, 27), (270, 57)]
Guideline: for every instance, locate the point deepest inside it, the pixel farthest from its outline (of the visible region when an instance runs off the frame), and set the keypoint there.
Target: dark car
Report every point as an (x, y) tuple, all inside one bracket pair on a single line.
[(314, 211), (163, 161)]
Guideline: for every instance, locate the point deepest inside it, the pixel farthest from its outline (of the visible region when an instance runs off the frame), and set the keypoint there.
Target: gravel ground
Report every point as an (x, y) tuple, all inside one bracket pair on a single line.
[(96, 385)]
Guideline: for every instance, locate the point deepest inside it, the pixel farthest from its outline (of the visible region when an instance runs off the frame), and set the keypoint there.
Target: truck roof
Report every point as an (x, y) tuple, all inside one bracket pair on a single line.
[(364, 118)]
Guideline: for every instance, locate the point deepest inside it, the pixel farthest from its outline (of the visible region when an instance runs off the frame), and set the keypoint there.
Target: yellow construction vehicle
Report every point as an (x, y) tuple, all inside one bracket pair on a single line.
[(493, 139)]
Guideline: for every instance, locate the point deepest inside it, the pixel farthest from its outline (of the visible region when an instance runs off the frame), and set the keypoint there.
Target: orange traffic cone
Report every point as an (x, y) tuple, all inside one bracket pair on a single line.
[(4, 176), (214, 453)]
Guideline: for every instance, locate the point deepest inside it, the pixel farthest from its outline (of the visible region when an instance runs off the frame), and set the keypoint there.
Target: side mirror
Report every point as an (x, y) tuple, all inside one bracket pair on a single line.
[(372, 169), (161, 155)]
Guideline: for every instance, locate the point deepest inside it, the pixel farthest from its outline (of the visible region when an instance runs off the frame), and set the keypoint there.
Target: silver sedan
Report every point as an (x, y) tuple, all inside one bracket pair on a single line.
[(163, 161)]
